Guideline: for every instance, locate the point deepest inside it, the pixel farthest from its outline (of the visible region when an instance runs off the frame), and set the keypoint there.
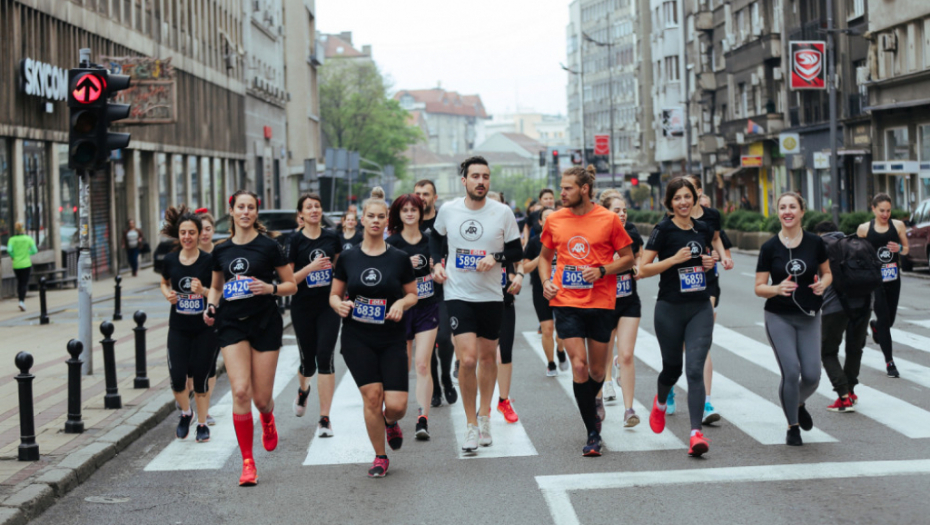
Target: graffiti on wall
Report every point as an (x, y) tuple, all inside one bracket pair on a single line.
[(152, 95)]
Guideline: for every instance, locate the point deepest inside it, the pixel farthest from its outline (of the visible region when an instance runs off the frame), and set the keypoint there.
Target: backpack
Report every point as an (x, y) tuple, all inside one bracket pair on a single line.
[(857, 272)]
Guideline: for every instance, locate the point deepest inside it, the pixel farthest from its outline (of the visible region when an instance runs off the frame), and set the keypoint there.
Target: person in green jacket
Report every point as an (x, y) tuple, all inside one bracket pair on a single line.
[(21, 247)]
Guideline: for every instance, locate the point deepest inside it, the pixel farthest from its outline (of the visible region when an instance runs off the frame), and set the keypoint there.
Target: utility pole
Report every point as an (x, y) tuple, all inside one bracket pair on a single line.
[(85, 277), (831, 87), (684, 40)]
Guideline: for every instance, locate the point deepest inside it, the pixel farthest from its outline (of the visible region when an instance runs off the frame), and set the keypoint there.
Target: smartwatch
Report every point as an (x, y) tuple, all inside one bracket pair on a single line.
[(603, 270), (275, 289)]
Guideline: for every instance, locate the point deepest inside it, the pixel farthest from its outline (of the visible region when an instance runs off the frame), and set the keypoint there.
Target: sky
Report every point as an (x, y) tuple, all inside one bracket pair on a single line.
[(506, 51)]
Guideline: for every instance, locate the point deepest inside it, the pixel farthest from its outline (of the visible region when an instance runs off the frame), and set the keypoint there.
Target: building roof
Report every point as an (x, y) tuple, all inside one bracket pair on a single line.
[(340, 46), (438, 100), (502, 157), (420, 155), (531, 145)]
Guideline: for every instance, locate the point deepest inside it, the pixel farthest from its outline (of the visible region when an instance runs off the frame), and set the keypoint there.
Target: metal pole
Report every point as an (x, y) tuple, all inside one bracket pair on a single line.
[(74, 425), (112, 398), (141, 380), (610, 93), (831, 81), (684, 39), (85, 279), (43, 306), (28, 448)]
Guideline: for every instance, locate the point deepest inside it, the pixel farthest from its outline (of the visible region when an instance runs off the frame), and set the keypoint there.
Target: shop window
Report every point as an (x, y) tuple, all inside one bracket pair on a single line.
[(206, 183), (69, 197), (6, 192), (897, 146), (219, 186), (923, 147), (161, 161), (193, 168), (35, 167), (180, 185)]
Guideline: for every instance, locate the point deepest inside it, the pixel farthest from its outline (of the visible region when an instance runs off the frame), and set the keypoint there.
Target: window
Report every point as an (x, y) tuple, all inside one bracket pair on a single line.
[(854, 9), (180, 188), (35, 168), (743, 108), (68, 201), (161, 162), (671, 69), (923, 148), (897, 146), (6, 192), (776, 16), (670, 12)]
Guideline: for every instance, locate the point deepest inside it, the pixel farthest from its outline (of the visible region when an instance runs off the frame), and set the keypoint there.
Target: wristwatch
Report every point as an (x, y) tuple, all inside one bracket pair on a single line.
[(603, 270), (274, 291)]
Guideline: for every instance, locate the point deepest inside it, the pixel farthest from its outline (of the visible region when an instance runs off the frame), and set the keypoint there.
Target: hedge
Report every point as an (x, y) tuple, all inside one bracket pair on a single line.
[(753, 221)]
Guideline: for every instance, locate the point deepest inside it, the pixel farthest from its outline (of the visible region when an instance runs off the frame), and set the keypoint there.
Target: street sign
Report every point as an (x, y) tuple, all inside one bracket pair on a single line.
[(602, 144), (789, 143), (88, 87), (807, 65)]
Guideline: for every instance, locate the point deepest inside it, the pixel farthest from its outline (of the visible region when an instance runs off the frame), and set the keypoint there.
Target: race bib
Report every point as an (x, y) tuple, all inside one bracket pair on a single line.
[(503, 277), (425, 287), (624, 285), (692, 279), (889, 272), (237, 288), (467, 260), (190, 304), (572, 279), (320, 278), (370, 311)]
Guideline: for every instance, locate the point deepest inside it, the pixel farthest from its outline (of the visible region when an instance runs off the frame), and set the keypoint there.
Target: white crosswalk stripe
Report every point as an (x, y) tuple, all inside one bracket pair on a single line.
[(350, 442), (510, 439), (917, 342)]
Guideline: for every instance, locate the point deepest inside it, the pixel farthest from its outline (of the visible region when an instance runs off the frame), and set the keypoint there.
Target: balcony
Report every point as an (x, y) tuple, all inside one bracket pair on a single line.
[(704, 21), (707, 81), (753, 53), (771, 123)]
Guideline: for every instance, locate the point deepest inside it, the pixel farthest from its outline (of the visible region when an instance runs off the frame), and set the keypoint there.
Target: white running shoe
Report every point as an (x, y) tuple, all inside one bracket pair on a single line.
[(324, 428), (471, 438), (210, 421), (563, 364), (615, 370), (484, 431), (300, 402), (22, 306), (552, 372), (630, 419), (609, 393)]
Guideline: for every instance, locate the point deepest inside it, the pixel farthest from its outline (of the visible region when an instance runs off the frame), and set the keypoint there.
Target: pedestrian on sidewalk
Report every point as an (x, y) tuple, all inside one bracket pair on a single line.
[(21, 248), (132, 242)]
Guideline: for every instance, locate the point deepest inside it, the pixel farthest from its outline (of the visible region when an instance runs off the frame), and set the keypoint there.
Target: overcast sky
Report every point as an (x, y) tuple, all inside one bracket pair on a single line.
[(507, 51)]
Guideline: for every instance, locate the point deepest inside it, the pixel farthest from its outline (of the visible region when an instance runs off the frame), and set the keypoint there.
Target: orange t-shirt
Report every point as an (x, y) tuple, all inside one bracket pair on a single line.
[(580, 241)]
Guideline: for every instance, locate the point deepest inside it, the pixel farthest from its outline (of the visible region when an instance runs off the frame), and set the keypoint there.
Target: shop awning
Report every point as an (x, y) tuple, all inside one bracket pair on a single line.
[(728, 173), (853, 152)]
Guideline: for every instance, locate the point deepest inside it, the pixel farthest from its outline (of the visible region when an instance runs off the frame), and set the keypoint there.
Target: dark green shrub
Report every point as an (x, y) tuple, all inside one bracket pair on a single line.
[(813, 218), (773, 225)]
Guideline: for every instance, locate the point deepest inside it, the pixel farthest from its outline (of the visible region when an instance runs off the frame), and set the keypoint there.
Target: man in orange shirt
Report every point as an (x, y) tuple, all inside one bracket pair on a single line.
[(583, 291)]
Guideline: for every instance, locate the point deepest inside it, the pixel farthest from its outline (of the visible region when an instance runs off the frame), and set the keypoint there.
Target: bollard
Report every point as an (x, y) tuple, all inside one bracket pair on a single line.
[(117, 315), (141, 380), (28, 448), (43, 315), (74, 425), (112, 398)]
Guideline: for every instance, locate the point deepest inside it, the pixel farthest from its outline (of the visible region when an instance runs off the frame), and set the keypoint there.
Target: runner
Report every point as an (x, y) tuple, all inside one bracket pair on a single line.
[(541, 304), (373, 285), (442, 356), (532, 226), (585, 236), (481, 234), (350, 236), (312, 254), (248, 325), (888, 236), (208, 224), (684, 316), (799, 269), (192, 348), (421, 321)]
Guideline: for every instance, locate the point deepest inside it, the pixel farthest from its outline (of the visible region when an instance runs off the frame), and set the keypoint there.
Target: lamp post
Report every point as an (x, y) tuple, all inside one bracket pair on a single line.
[(581, 90), (610, 93)]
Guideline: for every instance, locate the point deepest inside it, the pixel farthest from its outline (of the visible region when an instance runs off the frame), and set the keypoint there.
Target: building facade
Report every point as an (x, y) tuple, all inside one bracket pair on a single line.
[(668, 70), (454, 123)]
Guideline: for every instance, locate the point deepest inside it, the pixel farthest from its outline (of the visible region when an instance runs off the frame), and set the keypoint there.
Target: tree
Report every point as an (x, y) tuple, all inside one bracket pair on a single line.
[(358, 115)]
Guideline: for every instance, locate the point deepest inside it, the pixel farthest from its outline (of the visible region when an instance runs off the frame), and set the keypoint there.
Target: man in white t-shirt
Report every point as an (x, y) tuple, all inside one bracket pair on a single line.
[(481, 234)]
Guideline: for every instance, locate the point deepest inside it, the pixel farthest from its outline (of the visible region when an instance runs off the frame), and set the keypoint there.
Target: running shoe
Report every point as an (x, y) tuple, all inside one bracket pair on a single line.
[(842, 405), (300, 404), (22, 306), (249, 477), (324, 428), (599, 406), (379, 468), (853, 397), (609, 393), (395, 436), (657, 417), (455, 372), (203, 434), (184, 425), (805, 420), (451, 395), (710, 415), (505, 407), (210, 420), (422, 429), (437, 399), (872, 325), (269, 432), (551, 370), (892, 370), (563, 361), (471, 438), (793, 439), (615, 370), (592, 448), (699, 445), (630, 419), (670, 403), (484, 431)]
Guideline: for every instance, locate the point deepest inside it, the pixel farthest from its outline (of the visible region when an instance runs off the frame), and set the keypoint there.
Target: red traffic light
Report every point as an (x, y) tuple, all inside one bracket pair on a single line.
[(634, 181), (88, 87)]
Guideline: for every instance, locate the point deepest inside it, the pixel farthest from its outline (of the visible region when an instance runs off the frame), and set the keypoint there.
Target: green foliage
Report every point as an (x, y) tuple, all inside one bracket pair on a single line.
[(849, 222), (745, 221), (516, 188), (641, 193), (772, 225), (645, 216), (900, 214), (813, 218)]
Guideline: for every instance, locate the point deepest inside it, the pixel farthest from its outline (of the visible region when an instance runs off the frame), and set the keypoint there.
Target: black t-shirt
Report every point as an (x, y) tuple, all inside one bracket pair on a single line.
[(626, 284), (349, 243), (374, 284), (711, 217), (683, 282), (426, 226), (533, 247), (304, 250), (257, 259), (187, 314), (802, 263), (426, 289)]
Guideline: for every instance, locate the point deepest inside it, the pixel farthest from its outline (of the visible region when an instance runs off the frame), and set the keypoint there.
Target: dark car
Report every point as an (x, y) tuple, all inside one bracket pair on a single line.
[(281, 221), (918, 237)]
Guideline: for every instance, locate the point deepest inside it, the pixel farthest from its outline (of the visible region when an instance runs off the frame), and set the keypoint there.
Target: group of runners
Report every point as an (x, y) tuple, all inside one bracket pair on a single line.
[(416, 285)]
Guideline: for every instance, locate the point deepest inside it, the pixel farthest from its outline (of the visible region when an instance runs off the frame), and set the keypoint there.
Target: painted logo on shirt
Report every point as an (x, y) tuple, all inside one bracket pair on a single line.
[(578, 247), (239, 266), (185, 284), (316, 254), (371, 277), (471, 230), (421, 261), (346, 246), (885, 255), (796, 267), (696, 249)]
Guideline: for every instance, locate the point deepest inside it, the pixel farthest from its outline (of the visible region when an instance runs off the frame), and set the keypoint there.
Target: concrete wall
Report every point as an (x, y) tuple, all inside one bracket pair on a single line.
[(888, 13)]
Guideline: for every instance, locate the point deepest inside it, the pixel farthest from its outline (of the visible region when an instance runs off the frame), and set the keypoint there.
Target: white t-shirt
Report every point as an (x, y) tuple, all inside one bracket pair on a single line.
[(471, 235)]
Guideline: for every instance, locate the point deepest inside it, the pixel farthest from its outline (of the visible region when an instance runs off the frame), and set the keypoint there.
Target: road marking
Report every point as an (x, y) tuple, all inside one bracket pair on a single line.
[(890, 411), (917, 342), (289, 336), (747, 274), (510, 439), (187, 454), (918, 322), (909, 370), (615, 436), (556, 489), (754, 415), (350, 444)]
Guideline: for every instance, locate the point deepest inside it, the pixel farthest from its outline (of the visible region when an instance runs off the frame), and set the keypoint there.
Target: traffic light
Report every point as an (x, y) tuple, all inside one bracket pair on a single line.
[(542, 159), (89, 139), (555, 158), (634, 181), (114, 112)]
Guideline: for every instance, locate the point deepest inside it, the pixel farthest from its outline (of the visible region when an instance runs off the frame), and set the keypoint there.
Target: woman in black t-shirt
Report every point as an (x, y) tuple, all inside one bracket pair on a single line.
[(541, 304), (373, 285), (312, 253), (796, 261), (208, 224), (349, 235), (248, 325), (186, 276)]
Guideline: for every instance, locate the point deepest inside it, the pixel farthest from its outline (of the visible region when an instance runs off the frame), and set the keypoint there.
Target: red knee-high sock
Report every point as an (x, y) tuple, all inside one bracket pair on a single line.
[(244, 433)]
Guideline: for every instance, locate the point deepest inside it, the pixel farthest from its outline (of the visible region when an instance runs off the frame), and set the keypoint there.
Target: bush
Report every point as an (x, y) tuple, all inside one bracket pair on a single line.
[(645, 216), (773, 225), (850, 221), (813, 218)]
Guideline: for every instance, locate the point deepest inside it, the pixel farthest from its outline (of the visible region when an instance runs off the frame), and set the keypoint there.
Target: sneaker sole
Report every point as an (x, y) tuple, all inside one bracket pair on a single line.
[(469, 449), (327, 434), (203, 440), (248, 483), (631, 422), (713, 418), (377, 476), (422, 435), (841, 410), (488, 444), (591, 454), (698, 450)]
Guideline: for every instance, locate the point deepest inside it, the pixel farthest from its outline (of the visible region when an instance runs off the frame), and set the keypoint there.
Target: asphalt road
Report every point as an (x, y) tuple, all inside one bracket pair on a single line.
[(867, 467)]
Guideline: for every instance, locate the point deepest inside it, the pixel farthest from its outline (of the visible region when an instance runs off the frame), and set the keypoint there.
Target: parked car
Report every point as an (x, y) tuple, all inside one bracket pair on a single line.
[(281, 221), (918, 237)]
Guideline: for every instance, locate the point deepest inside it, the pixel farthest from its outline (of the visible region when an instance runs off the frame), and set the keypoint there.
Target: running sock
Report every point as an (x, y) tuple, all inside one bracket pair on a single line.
[(585, 406), (187, 412), (661, 406), (694, 431), (594, 387), (381, 457), (707, 399), (267, 417), (501, 399), (244, 433)]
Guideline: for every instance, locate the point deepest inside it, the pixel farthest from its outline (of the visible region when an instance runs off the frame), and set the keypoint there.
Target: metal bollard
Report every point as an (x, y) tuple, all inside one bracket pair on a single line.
[(74, 425), (112, 398), (117, 315), (141, 380), (43, 315), (28, 448)]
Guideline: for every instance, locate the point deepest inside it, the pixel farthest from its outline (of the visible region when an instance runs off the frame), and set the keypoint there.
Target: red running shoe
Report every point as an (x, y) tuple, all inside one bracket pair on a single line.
[(269, 432), (395, 436), (379, 468), (853, 397), (510, 415), (657, 417), (842, 405), (698, 446), (249, 477)]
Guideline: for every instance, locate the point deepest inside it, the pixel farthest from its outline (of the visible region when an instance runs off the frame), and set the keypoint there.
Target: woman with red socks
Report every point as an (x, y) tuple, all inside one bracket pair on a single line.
[(248, 325)]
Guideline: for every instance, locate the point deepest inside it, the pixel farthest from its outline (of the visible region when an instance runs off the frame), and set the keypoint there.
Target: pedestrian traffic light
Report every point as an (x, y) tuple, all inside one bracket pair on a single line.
[(634, 181), (542, 159), (555, 158), (89, 139), (114, 112)]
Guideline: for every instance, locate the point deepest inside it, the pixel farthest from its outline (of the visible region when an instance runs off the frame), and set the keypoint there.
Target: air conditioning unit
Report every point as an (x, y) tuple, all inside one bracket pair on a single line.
[(776, 73), (862, 75), (754, 79), (890, 42)]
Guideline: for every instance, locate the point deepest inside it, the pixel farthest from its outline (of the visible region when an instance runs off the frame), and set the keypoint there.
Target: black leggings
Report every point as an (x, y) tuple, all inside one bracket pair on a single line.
[(690, 325), (886, 309), (444, 350), (22, 281), (508, 328), (316, 328), (191, 354)]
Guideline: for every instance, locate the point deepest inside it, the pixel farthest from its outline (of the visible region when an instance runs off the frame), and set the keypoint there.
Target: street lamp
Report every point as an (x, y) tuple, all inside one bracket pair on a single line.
[(610, 92), (581, 74)]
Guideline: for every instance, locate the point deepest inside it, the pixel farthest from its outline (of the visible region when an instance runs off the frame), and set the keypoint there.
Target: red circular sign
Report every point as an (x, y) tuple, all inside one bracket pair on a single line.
[(88, 88)]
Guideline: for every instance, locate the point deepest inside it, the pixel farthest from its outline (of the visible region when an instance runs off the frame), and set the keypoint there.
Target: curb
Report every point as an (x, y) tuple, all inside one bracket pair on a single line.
[(95, 300), (36, 495)]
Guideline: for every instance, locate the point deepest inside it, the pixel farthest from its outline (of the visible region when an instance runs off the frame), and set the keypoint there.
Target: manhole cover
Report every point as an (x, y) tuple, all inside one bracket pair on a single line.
[(109, 500)]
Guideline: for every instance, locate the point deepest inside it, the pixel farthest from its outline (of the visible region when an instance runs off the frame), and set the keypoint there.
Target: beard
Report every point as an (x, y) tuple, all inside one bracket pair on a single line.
[(568, 203), (474, 195)]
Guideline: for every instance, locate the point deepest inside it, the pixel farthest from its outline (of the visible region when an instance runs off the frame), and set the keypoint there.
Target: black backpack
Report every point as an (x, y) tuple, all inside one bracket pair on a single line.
[(857, 272)]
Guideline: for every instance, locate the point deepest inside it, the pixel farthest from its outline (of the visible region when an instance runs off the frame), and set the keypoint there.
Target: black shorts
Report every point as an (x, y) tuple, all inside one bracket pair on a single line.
[(421, 318), (317, 329), (263, 331), (586, 323), (191, 355), (628, 307), (371, 361), (541, 305), (481, 319)]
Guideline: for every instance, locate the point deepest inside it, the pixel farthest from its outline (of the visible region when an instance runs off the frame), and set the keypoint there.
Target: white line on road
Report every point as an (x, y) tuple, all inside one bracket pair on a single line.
[(510, 439), (917, 342), (918, 322), (747, 274), (350, 444), (556, 489)]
